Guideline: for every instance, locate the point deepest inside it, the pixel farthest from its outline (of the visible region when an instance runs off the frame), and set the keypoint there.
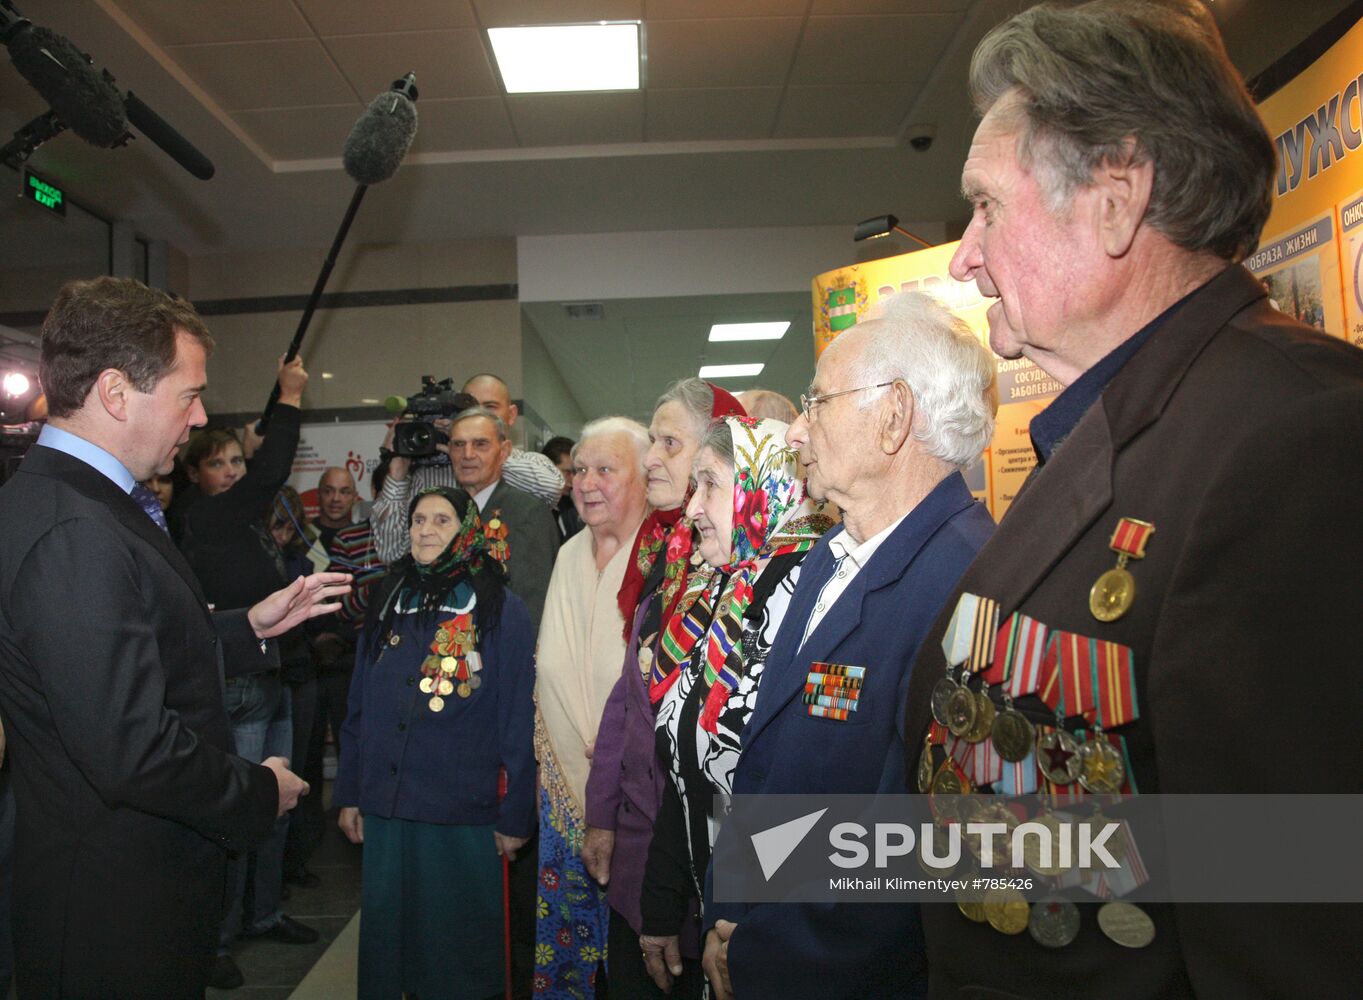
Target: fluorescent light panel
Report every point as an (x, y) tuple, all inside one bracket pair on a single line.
[(749, 331), (730, 371), (558, 58)]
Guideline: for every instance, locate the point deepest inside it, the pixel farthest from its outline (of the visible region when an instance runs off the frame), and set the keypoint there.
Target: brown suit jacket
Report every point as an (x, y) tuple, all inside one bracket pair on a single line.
[(1238, 433)]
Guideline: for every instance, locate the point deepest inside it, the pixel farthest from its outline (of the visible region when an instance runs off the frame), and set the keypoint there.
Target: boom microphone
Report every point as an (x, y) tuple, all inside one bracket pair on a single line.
[(380, 139), (172, 143), (373, 152), (84, 99)]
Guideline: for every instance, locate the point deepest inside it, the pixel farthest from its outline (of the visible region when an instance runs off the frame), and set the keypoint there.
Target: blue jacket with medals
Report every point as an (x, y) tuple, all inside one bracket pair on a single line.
[(402, 760), (846, 950)]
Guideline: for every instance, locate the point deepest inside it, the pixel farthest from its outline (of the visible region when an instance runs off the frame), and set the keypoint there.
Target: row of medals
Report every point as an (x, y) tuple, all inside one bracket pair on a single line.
[(970, 715), (440, 688), (1052, 921)]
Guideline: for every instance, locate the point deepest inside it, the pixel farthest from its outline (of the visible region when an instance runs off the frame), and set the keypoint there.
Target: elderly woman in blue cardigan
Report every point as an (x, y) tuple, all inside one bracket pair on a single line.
[(441, 707)]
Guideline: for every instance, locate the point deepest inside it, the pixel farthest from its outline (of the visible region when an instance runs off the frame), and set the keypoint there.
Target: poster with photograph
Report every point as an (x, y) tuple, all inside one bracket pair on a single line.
[(1301, 270), (1351, 254)]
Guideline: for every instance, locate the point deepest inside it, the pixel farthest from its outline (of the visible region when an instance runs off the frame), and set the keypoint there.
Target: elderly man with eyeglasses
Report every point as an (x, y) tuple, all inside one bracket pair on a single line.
[(900, 404)]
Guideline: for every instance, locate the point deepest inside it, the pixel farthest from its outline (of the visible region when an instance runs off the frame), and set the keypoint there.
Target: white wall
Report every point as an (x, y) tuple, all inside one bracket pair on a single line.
[(693, 262)]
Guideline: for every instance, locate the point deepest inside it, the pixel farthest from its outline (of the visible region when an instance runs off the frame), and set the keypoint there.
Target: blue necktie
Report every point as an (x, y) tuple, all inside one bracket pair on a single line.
[(146, 499)]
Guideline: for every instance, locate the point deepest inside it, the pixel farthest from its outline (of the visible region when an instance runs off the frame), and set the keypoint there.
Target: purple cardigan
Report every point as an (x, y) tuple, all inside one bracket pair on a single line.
[(626, 781)]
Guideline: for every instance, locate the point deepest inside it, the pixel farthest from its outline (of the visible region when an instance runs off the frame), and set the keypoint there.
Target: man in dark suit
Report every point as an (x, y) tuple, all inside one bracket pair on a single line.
[(1196, 495), (899, 405), (110, 677), (479, 447)]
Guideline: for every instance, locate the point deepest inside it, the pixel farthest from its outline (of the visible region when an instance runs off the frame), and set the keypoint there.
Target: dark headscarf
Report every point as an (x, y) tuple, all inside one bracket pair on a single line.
[(469, 557)]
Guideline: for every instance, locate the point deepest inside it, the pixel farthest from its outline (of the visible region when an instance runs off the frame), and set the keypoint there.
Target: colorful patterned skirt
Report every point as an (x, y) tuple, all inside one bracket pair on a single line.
[(573, 916), (431, 920)]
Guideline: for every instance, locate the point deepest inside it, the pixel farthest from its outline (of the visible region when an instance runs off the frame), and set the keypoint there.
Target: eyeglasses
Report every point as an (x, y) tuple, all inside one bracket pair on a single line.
[(807, 403)]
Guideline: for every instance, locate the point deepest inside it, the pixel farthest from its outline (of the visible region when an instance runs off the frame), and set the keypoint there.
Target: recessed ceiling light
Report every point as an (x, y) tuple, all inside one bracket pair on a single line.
[(749, 331), (730, 371), (327, 375), (557, 58), (372, 402)]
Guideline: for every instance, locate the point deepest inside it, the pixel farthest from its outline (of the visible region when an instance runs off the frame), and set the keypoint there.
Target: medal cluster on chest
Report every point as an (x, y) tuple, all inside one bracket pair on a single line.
[(977, 745)]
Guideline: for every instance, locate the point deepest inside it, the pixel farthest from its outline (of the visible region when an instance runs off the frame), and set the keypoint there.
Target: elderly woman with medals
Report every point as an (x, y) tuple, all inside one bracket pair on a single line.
[(754, 524), (626, 783), (441, 705)]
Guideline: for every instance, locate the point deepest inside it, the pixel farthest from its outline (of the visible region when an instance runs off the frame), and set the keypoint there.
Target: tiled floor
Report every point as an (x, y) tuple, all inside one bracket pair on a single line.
[(274, 971)]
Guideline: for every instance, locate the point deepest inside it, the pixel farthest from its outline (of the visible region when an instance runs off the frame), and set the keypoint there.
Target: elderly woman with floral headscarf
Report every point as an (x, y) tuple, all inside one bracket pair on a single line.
[(626, 783), (441, 704), (754, 524)]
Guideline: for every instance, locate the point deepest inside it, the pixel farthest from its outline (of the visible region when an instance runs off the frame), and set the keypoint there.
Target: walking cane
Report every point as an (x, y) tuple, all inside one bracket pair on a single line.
[(506, 900)]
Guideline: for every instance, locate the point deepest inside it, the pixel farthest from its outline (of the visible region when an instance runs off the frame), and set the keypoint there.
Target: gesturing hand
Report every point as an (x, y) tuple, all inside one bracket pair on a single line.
[(307, 597)]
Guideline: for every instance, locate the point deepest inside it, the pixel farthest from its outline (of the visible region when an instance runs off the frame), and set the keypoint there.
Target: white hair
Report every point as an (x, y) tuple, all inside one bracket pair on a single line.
[(632, 429), (913, 338)]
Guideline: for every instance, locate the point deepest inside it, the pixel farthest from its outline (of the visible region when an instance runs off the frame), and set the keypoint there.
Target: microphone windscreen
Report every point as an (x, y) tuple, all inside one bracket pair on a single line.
[(83, 99), (395, 404), (176, 146), (380, 139)]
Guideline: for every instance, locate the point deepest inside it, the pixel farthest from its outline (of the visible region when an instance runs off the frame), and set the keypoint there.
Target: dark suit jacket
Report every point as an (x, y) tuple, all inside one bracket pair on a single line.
[(852, 951), (532, 541), (1238, 433), (111, 689)]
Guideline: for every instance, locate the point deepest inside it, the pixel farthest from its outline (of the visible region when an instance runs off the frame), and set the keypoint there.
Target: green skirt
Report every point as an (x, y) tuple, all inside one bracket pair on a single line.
[(431, 904)]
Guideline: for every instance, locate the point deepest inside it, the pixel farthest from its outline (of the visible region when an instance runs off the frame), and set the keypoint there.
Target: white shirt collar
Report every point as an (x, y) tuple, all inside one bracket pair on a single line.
[(482, 496), (842, 544)]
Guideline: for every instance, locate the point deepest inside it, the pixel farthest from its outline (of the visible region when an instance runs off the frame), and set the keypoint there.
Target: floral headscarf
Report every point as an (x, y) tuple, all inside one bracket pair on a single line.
[(772, 517)]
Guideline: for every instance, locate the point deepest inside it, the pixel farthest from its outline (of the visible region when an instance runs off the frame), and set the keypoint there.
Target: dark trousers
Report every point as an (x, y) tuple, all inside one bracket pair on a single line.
[(262, 727), (6, 882), (307, 821), (333, 696), (628, 979), (523, 882)]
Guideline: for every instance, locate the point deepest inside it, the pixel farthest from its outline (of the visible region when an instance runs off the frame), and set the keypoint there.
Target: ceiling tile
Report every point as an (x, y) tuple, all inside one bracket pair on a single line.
[(248, 75), (734, 52), (657, 10), (889, 6), (447, 63), (301, 133), (478, 123), (719, 113), (353, 17), (868, 109), (872, 49), (508, 13), (577, 119), (174, 22)]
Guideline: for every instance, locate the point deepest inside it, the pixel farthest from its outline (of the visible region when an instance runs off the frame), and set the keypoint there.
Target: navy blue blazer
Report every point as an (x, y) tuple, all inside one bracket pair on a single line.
[(825, 950), (400, 760)]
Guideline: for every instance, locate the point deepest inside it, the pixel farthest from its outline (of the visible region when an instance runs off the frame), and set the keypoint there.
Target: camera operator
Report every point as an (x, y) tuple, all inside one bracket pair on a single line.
[(527, 471)]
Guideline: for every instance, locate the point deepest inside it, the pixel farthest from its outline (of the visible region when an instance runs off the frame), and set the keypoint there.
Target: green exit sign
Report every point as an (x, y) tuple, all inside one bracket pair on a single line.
[(42, 193)]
